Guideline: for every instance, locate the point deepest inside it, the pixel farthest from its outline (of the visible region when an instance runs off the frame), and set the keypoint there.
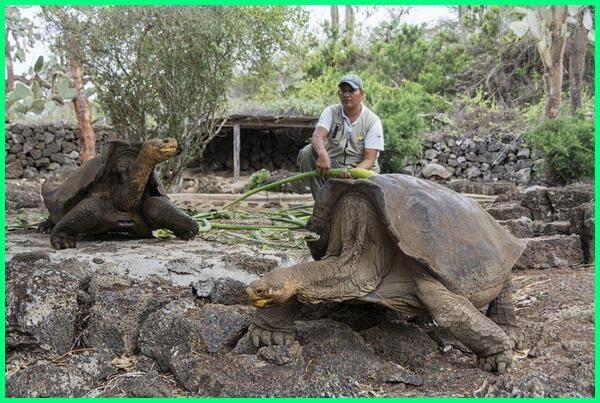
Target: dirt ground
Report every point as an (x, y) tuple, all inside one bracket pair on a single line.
[(555, 308)]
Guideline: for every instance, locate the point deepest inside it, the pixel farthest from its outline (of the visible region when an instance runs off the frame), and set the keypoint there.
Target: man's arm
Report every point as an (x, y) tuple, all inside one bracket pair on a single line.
[(369, 157), (318, 142)]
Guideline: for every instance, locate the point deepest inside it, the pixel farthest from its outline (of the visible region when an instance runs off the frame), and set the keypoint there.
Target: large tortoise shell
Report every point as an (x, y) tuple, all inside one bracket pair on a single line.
[(61, 199), (449, 235)]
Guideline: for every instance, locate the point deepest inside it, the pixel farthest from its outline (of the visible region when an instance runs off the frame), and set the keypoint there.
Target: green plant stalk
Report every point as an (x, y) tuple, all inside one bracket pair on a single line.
[(302, 207), (206, 225), (289, 221), (254, 227), (260, 241), (356, 173)]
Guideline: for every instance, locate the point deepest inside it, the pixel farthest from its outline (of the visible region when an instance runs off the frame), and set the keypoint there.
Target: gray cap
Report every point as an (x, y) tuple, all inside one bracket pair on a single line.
[(352, 80)]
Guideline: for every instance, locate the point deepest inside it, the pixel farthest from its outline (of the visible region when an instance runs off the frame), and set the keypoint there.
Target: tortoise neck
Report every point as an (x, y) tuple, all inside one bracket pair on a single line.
[(138, 178)]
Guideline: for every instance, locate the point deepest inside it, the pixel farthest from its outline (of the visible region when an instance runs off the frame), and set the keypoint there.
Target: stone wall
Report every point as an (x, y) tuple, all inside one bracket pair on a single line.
[(481, 159), (557, 223), (34, 150)]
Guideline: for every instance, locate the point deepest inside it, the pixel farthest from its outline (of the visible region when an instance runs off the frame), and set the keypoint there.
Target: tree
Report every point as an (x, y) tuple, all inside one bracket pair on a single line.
[(548, 24), (68, 46), (349, 20), (19, 34), (400, 54), (165, 71), (582, 21), (335, 21)]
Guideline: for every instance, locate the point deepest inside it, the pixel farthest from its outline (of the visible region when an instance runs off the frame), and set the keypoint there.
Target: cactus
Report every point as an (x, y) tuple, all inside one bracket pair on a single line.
[(41, 96), (539, 21), (549, 25)]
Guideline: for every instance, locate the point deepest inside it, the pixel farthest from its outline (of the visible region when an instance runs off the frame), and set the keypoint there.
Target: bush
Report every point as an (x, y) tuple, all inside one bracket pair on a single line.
[(403, 112), (567, 146)]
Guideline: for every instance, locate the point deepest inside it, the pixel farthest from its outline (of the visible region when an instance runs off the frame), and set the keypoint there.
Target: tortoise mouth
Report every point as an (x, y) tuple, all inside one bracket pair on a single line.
[(263, 303), (169, 150), (258, 298)]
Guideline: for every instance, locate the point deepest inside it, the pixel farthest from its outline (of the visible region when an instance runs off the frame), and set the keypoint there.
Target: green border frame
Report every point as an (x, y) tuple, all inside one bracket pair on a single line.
[(303, 3)]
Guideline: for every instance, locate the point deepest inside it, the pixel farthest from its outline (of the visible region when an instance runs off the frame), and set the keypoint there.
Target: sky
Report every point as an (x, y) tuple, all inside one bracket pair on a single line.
[(366, 16), (416, 15)]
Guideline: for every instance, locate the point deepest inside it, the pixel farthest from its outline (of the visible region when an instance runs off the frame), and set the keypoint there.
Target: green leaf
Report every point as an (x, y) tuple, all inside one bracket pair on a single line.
[(22, 91), (534, 25), (39, 64), (20, 55), (38, 106), (37, 90), (12, 97), (591, 35), (63, 84), (28, 102), (18, 107), (90, 91), (520, 28), (67, 94), (49, 106)]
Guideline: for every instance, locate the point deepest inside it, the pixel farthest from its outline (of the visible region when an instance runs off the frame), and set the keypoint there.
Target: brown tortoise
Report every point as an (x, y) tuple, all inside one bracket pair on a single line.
[(115, 192), (410, 245)]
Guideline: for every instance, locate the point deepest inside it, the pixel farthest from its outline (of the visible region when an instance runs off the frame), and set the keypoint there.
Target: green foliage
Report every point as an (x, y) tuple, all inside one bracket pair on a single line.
[(567, 146), (400, 54), (48, 87), (165, 71), (322, 88), (484, 26), (22, 33), (533, 115), (334, 53), (257, 179), (403, 112), (447, 58)]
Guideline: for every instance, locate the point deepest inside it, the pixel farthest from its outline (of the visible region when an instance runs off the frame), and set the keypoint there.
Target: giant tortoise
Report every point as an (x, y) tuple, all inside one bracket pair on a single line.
[(118, 191), (410, 245)]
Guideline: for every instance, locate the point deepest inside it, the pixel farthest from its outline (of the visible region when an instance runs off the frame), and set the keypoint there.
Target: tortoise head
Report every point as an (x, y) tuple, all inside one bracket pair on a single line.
[(160, 149), (273, 288)]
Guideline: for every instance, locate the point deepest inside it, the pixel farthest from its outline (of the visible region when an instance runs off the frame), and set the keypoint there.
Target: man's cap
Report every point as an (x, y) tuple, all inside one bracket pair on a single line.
[(352, 80)]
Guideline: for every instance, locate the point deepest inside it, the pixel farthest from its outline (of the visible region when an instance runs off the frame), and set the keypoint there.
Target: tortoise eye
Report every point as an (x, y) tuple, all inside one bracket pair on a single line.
[(165, 141)]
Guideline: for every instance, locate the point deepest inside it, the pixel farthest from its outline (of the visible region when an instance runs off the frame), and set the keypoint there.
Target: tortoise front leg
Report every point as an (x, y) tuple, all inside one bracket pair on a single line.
[(274, 325), (455, 313), (45, 227), (161, 213), (85, 216), (502, 312)]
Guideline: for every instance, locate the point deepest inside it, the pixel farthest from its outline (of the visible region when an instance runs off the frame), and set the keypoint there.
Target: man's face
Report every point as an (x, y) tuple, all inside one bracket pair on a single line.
[(350, 97)]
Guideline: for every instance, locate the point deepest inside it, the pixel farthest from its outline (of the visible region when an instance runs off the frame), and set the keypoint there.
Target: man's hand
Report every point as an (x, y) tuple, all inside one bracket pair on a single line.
[(345, 174), (323, 164)]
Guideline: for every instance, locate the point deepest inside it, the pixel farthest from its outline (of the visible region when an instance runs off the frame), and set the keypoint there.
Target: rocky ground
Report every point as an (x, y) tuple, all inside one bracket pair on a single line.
[(122, 317)]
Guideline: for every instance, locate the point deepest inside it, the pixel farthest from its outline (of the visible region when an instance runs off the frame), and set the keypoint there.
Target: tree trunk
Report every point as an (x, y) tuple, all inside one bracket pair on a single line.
[(553, 75), (335, 21), (577, 50), (82, 111), (349, 24), (10, 74), (462, 10)]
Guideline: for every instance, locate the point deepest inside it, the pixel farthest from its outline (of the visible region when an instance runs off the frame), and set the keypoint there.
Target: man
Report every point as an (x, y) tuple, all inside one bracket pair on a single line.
[(347, 135)]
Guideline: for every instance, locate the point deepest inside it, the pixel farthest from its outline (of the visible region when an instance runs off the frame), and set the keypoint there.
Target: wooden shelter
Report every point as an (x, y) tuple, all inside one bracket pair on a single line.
[(239, 122)]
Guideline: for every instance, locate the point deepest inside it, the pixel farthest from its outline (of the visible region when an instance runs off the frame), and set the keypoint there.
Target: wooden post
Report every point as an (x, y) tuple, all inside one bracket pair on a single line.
[(236, 152)]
